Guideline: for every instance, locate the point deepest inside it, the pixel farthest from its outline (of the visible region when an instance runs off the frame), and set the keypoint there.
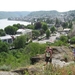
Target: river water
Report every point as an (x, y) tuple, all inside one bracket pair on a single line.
[(5, 22)]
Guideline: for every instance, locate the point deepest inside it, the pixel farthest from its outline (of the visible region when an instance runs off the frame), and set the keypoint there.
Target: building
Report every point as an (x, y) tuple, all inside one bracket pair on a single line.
[(10, 38), (7, 39), (60, 29), (67, 30), (24, 32)]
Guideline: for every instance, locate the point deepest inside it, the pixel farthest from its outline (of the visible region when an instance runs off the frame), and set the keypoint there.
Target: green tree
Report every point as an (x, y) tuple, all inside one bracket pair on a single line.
[(19, 26), (41, 31), (57, 21), (49, 21), (70, 25), (35, 34), (30, 26), (2, 32), (20, 41), (65, 25), (47, 33), (4, 47), (37, 25), (11, 30), (44, 26), (52, 29)]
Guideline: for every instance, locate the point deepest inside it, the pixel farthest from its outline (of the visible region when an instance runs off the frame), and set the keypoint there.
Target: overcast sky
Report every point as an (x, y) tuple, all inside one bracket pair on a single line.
[(37, 5)]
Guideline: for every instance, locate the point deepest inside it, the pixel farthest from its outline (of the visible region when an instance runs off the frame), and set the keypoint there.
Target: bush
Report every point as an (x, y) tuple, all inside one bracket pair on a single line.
[(20, 57), (35, 48), (59, 43), (64, 39), (20, 41), (4, 47), (72, 40)]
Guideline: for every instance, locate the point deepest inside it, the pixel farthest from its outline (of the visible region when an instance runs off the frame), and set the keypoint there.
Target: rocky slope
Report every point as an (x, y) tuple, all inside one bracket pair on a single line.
[(59, 55)]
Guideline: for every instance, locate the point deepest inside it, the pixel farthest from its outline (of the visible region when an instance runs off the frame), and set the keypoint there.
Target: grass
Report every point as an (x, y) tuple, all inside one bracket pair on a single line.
[(55, 70), (52, 70)]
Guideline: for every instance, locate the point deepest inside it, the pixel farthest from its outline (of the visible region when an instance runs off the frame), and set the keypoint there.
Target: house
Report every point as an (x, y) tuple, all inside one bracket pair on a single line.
[(24, 32), (10, 38), (50, 25), (67, 30), (60, 29), (7, 39), (63, 31)]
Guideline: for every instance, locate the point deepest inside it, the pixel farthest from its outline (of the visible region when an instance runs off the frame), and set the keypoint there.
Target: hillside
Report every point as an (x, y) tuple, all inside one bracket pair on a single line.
[(69, 15), (58, 60), (4, 14), (44, 13), (29, 16)]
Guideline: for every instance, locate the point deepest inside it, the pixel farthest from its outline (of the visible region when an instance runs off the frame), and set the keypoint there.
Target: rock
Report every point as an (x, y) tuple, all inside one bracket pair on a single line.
[(8, 73), (34, 59), (37, 58), (21, 70)]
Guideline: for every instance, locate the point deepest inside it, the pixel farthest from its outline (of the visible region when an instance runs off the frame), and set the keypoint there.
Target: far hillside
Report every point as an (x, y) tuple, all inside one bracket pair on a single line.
[(4, 14), (69, 15), (44, 13)]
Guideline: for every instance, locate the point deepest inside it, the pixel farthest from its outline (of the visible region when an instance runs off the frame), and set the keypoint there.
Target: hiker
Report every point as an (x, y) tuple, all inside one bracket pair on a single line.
[(48, 55), (74, 53)]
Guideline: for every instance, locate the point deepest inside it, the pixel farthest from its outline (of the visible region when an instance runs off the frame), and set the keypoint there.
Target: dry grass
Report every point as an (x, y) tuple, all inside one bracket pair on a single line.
[(52, 70)]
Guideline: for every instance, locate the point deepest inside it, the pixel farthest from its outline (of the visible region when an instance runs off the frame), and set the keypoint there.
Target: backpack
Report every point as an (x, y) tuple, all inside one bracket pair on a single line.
[(47, 53)]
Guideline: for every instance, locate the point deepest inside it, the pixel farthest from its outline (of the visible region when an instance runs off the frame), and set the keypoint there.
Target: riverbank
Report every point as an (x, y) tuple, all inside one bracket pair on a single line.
[(5, 22)]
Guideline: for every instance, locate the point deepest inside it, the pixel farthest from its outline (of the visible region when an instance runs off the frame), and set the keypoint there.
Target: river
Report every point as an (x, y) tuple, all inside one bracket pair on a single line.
[(5, 22)]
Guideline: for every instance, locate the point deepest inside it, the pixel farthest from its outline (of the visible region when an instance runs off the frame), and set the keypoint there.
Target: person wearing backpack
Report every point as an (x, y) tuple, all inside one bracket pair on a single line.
[(48, 55)]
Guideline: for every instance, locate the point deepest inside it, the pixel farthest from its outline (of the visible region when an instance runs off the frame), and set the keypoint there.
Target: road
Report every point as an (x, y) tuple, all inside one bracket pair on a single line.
[(51, 39)]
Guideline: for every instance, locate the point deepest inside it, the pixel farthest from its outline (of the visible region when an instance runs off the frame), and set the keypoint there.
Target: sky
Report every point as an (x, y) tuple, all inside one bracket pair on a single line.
[(37, 5)]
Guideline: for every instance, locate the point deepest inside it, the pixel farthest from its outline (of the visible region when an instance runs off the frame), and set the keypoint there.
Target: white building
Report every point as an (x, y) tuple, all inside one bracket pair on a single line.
[(10, 38), (67, 30), (24, 32), (7, 39)]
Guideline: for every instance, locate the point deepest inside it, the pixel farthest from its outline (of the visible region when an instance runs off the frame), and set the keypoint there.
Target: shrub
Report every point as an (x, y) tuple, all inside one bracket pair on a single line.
[(21, 57), (4, 47), (72, 40), (58, 43), (64, 38), (35, 48), (20, 41), (5, 68)]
